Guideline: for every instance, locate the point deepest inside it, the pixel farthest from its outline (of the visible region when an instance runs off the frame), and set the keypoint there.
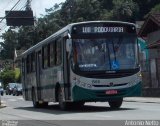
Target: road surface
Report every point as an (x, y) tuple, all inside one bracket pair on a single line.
[(23, 111)]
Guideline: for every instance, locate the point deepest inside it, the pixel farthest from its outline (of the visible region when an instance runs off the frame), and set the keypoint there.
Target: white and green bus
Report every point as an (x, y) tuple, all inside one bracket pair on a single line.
[(95, 61)]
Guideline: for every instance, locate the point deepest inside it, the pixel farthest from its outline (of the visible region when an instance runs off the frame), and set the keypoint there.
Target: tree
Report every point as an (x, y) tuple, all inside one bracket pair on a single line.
[(74, 11), (81, 10), (107, 4), (17, 75), (145, 7), (155, 9), (124, 10), (24, 39), (7, 76), (10, 42)]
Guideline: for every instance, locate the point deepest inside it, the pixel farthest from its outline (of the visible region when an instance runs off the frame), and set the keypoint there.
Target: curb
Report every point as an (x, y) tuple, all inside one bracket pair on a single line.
[(143, 100)]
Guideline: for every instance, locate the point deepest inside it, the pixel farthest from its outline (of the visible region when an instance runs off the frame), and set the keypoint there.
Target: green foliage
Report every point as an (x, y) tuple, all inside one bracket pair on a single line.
[(81, 10), (124, 10), (74, 11), (25, 37), (7, 76), (107, 4), (10, 41), (17, 74), (145, 7), (156, 9)]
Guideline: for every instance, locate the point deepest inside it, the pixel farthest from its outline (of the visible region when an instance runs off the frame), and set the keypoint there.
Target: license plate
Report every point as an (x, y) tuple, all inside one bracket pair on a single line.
[(111, 92)]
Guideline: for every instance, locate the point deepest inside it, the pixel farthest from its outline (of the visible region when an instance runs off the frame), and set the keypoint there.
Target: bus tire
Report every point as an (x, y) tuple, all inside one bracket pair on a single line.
[(45, 104), (76, 105), (35, 103), (115, 104), (62, 103)]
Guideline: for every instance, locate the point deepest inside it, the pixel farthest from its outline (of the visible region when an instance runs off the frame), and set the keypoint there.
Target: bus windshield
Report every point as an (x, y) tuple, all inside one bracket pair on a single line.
[(107, 54)]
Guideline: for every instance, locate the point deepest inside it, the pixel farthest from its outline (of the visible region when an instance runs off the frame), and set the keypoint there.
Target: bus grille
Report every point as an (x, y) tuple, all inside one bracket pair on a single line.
[(114, 85)]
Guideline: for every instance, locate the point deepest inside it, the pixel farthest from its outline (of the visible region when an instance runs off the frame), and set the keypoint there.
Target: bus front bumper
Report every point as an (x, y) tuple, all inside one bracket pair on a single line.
[(81, 94)]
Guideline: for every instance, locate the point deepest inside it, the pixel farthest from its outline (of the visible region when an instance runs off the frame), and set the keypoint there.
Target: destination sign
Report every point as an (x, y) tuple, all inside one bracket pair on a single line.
[(102, 29)]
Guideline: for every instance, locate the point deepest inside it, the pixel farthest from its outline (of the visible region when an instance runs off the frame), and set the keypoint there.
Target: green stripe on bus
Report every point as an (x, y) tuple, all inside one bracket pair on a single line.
[(51, 86), (81, 94)]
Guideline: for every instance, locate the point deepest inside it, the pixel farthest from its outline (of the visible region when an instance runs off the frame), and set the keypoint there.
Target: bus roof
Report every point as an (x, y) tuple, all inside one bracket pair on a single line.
[(118, 22), (67, 28)]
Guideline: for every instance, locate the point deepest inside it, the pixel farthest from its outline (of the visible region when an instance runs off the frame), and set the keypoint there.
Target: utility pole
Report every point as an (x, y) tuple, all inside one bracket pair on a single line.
[(28, 5)]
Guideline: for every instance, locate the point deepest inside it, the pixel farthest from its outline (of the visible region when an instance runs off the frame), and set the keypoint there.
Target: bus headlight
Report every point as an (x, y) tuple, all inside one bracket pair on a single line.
[(135, 81), (83, 84), (139, 74)]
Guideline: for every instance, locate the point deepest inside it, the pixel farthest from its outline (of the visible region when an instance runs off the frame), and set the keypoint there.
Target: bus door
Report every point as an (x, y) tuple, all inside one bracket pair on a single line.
[(66, 72), (24, 74), (38, 73)]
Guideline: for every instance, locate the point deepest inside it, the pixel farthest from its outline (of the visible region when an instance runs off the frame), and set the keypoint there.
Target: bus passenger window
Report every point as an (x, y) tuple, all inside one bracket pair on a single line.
[(52, 54), (58, 52), (28, 64), (45, 57), (23, 66), (33, 62)]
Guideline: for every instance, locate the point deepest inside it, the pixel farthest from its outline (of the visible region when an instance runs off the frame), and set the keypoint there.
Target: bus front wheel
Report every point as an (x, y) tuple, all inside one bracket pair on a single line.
[(115, 104), (79, 104)]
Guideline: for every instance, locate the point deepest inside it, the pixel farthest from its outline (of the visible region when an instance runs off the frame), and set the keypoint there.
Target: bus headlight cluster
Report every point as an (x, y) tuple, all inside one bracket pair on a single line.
[(82, 84), (132, 83), (135, 81)]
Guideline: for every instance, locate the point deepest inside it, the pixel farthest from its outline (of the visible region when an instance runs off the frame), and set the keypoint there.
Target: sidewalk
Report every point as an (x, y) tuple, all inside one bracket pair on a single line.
[(142, 99)]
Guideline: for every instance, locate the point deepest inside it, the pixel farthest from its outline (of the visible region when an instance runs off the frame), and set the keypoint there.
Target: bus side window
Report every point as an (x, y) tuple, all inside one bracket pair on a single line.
[(33, 62), (52, 54), (28, 64), (23, 66), (44, 57), (58, 52), (48, 55)]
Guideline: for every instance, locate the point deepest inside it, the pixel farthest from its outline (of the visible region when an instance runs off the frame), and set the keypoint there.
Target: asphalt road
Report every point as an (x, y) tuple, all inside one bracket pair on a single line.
[(92, 114)]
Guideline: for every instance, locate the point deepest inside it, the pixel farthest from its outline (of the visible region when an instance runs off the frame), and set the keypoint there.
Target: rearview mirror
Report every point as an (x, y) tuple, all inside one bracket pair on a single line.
[(68, 45)]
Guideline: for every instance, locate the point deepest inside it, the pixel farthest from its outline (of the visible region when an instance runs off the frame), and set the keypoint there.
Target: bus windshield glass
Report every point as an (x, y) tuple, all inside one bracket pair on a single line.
[(107, 54)]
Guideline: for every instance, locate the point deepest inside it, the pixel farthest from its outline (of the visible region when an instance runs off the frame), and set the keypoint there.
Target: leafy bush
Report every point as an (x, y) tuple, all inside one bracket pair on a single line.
[(17, 75), (7, 76)]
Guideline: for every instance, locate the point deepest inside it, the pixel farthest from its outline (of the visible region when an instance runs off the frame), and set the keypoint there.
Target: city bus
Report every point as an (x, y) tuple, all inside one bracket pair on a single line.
[(93, 61)]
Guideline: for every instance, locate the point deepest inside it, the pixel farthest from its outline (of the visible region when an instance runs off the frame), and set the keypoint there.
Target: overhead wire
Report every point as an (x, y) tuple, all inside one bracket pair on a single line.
[(10, 11), (21, 4), (24, 6), (7, 4), (3, 27), (13, 8), (18, 6)]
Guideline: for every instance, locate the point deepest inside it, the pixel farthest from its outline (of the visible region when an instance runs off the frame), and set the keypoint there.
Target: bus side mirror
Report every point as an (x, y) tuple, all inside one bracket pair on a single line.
[(68, 45), (142, 53)]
